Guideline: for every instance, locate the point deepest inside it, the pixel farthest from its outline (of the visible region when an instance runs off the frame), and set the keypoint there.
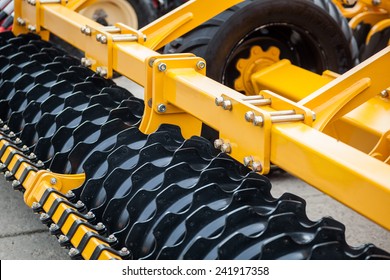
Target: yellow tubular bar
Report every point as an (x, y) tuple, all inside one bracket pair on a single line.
[(256, 130)]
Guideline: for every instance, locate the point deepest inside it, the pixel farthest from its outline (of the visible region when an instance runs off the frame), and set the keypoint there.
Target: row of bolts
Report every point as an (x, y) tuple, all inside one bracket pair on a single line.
[(73, 252)]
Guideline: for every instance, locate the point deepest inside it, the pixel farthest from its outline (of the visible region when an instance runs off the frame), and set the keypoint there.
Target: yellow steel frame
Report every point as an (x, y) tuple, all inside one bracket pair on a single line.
[(36, 183), (365, 11), (256, 130)]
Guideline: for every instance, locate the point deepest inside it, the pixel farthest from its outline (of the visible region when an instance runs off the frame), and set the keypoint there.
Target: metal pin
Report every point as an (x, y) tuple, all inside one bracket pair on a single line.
[(161, 108)]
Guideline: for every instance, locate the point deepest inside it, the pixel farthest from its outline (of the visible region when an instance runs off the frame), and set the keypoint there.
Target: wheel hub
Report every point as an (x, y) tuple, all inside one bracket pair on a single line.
[(257, 60)]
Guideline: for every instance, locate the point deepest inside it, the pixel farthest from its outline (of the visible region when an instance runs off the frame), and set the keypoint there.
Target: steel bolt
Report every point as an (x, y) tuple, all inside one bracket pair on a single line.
[(124, 251), (376, 2), (21, 21), (86, 30), (31, 28), (226, 148), (249, 116), (162, 67), (5, 128), (86, 62), (40, 164), (53, 227), (151, 62), (63, 238), (36, 205), (161, 108), (1, 122), (257, 166), (219, 101), (69, 194), (79, 203), (98, 37), (32, 156), (15, 184), (8, 175), (201, 65), (112, 238), (248, 161), (2, 167), (258, 121), (53, 181), (227, 105), (73, 252), (103, 39), (100, 226), (218, 143), (385, 93), (11, 134), (90, 215), (25, 148), (18, 141), (44, 216)]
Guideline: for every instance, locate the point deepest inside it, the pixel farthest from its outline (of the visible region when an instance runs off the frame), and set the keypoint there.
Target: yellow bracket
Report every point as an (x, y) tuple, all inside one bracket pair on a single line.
[(48, 193)]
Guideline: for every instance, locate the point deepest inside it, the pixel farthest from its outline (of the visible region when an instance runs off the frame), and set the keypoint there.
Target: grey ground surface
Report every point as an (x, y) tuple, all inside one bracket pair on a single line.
[(23, 237)]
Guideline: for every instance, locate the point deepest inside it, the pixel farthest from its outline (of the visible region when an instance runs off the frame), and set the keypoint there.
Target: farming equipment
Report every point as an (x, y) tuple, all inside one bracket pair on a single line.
[(113, 176), (370, 23)]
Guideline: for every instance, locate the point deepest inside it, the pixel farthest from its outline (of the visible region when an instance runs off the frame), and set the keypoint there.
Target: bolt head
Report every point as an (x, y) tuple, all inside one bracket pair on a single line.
[(35, 205), (218, 143), (249, 116), (219, 101), (258, 121), (248, 161), (227, 105), (201, 65), (98, 37), (53, 181), (161, 108), (257, 166), (226, 148), (385, 93), (103, 39), (376, 2), (112, 238), (15, 184), (73, 252), (162, 67), (63, 238)]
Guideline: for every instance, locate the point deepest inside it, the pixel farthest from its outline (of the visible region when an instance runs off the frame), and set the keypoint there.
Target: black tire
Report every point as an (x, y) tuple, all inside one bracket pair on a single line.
[(323, 34), (377, 42)]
